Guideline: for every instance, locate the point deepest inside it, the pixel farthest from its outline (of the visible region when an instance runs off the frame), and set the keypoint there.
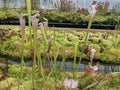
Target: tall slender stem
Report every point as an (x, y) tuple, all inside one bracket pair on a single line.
[(74, 64), (87, 32), (54, 52), (63, 60), (35, 53), (29, 20), (86, 38)]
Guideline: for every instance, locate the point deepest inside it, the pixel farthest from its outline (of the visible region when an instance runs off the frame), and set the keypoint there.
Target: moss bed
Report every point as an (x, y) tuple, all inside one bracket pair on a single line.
[(107, 45), (95, 81)]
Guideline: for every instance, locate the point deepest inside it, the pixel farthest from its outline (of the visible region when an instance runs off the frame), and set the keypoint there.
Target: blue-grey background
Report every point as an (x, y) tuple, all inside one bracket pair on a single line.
[(45, 4), (87, 3)]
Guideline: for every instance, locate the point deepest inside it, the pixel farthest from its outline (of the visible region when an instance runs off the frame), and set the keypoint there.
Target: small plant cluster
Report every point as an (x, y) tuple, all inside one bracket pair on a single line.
[(3, 69), (65, 6), (6, 34), (102, 7)]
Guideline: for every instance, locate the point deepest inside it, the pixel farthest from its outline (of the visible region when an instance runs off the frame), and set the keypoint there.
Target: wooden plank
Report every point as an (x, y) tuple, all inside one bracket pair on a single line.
[(82, 29)]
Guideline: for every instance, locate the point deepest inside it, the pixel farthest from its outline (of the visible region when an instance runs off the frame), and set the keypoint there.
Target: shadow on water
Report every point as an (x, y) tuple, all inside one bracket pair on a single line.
[(68, 66)]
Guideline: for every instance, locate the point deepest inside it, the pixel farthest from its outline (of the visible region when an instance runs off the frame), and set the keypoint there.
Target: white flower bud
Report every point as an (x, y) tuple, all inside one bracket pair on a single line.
[(92, 10)]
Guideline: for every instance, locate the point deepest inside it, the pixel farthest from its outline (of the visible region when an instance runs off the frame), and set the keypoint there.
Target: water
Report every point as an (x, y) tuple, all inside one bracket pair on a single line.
[(68, 66)]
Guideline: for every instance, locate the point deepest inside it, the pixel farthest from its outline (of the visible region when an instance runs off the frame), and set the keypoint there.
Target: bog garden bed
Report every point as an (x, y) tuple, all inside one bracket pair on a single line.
[(97, 82), (63, 19), (42, 46), (107, 45)]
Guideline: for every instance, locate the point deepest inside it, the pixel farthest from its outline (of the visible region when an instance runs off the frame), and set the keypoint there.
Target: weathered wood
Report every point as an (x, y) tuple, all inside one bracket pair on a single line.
[(82, 29)]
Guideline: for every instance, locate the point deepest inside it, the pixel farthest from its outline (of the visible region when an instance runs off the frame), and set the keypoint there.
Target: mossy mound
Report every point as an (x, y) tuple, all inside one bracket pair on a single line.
[(88, 81), (106, 44)]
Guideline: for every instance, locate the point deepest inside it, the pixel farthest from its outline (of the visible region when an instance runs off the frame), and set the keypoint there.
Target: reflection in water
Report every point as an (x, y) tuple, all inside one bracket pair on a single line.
[(68, 66)]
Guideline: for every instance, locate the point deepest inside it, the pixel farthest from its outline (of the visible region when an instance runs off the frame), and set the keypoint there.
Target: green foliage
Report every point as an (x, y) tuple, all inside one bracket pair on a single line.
[(1, 72), (106, 49), (14, 71), (111, 84), (111, 55), (85, 82), (8, 14), (104, 81), (111, 19), (61, 17)]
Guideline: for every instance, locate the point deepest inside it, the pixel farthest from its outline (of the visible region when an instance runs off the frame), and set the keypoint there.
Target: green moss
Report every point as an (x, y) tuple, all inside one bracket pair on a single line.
[(1, 72), (104, 81), (111, 55), (106, 48)]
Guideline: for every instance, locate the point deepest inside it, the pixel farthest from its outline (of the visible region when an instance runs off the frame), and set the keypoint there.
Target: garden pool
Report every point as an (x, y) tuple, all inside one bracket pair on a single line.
[(68, 66)]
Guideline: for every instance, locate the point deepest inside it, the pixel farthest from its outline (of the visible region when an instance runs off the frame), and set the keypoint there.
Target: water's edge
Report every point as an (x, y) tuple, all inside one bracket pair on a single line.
[(68, 66)]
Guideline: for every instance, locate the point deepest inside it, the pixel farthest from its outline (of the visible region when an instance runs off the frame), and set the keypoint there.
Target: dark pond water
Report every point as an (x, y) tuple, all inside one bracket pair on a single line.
[(68, 66)]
